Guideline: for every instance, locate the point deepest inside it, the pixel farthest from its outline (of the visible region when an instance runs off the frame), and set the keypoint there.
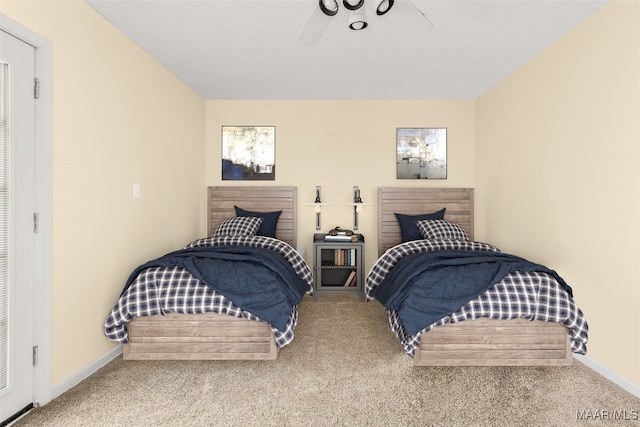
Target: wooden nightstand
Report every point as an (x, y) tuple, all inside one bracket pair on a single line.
[(338, 266)]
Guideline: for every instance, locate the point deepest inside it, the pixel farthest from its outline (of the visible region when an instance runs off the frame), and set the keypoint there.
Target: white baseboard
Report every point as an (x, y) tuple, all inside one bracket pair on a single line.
[(85, 373), (609, 374)]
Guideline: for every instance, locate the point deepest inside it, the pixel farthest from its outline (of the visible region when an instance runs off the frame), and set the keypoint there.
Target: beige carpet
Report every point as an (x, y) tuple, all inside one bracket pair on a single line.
[(344, 368)]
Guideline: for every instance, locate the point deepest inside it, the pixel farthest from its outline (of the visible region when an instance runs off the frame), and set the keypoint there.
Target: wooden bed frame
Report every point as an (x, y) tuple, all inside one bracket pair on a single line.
[(213, 336), (480, 342)]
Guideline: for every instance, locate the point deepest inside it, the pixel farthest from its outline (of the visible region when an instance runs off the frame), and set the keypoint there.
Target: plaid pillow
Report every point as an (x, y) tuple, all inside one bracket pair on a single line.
[(440, 229), (238, 226)]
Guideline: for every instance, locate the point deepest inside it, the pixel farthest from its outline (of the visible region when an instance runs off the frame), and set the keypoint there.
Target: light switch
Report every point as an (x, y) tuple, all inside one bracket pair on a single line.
[(136, 190)]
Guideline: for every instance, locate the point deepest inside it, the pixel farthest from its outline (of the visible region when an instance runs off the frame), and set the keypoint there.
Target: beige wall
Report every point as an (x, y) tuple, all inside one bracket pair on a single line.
[(118, 118), (339, 144), (558, 173)]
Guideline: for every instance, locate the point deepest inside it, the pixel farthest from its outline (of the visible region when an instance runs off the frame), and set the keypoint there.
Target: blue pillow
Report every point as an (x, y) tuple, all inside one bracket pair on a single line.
[(269, 221), (409, 224)]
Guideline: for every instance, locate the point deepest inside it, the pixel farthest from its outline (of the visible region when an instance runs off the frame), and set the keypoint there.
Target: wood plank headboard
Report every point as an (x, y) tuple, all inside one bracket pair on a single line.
[(260, 199), (414, 201)]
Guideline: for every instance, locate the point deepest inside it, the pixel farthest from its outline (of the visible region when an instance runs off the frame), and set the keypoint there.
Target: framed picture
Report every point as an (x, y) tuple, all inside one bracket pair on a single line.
[(248, 153), (421, 153)]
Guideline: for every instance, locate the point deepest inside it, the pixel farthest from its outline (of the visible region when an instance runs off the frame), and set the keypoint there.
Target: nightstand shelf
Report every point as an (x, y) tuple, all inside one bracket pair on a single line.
[(338, 266)]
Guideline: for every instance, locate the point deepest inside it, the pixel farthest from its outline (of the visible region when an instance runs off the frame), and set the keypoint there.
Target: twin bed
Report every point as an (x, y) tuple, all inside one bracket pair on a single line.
[(527, 318), (168, 312)]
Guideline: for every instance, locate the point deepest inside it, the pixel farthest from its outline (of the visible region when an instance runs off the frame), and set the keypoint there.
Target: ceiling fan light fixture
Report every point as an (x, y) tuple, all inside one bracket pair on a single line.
[(358, 21), (383, 7), (328, 7), (353, 4)]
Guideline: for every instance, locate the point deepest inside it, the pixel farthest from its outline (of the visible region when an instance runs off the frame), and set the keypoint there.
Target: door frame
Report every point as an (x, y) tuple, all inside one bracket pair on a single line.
[(43, 173)]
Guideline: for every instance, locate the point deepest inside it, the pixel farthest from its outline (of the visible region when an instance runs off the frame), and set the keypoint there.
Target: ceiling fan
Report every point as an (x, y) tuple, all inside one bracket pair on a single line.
[(402, 14)]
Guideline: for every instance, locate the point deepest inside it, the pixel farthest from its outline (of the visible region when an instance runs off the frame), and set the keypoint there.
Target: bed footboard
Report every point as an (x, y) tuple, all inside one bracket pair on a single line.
[(207, 336), (487, 342)]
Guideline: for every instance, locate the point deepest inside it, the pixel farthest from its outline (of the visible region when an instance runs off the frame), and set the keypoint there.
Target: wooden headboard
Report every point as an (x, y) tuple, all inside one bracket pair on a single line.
[(414, 201), (260, 199)]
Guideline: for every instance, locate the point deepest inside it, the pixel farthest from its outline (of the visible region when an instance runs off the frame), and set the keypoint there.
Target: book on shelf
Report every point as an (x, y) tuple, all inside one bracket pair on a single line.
[(342, 257), (351, 280), (341, 238)]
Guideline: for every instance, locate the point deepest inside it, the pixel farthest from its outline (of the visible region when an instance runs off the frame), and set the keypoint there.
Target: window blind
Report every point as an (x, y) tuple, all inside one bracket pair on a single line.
[(4, 224)]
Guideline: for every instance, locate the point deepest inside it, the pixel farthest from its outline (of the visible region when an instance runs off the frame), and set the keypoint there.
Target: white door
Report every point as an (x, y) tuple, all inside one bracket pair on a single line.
[(17, 239)]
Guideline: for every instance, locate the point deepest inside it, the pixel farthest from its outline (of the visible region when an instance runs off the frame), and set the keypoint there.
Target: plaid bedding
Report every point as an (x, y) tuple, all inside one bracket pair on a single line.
[(161, 290), (529, 295)]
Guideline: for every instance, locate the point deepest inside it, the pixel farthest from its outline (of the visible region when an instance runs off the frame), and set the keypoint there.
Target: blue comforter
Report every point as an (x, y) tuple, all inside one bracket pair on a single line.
[(258, 280), (426, 286)]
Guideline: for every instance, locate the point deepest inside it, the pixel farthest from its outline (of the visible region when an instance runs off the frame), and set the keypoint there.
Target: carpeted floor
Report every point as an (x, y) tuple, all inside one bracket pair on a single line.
[(344, 368)]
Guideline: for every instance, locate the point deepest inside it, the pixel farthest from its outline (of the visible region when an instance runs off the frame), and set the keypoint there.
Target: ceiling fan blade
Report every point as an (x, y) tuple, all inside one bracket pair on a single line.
[(314, 27), (408, 20)]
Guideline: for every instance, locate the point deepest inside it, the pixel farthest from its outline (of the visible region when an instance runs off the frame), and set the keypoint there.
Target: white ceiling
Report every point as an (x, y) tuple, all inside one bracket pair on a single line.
[(239, 49)]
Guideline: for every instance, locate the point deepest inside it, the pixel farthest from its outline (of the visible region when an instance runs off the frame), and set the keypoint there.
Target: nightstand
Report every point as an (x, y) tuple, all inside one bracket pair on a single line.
[(338, 266)]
